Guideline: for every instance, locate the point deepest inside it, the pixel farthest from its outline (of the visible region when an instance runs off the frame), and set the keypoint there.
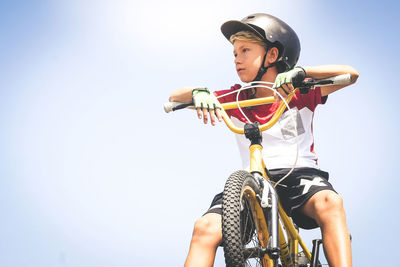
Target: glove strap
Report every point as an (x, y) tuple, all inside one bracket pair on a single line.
[(200, 89)]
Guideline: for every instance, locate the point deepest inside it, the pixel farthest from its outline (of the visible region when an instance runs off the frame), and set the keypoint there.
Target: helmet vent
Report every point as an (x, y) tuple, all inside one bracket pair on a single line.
[(251, 17)]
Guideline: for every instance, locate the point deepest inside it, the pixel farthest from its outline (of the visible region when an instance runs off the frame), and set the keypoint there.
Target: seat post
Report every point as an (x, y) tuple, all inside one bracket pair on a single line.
[(315, 253)]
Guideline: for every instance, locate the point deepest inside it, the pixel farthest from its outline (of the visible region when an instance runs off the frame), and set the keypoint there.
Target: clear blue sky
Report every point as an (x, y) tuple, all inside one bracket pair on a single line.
[(94, 173)]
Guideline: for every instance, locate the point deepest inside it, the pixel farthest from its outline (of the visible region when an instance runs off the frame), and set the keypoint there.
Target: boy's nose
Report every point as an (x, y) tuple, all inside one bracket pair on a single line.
[(237, 60)]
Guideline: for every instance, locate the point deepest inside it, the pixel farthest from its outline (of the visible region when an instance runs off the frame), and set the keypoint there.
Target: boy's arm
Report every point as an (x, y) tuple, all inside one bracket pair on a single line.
[(183, 95), (326, 71)]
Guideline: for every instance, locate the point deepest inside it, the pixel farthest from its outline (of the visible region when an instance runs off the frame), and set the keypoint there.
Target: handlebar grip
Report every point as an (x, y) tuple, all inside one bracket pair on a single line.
[(172, 106), (341, 79)]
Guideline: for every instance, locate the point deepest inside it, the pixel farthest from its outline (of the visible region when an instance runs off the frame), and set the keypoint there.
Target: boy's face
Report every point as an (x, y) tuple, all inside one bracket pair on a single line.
[(248, 58)]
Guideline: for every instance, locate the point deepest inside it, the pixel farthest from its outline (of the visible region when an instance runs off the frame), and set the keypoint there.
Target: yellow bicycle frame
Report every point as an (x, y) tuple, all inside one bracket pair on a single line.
[(288, 258)]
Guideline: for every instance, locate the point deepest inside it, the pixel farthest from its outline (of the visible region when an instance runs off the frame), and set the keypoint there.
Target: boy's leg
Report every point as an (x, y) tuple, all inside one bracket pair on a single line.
[(326, 208), (207, 235)]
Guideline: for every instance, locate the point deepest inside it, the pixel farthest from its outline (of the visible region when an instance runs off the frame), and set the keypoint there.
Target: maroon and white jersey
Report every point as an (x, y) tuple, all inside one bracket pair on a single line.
[(279, 142)]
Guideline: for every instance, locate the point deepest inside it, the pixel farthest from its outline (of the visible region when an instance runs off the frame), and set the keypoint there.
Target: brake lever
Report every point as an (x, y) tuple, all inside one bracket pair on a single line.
[(298, 82)]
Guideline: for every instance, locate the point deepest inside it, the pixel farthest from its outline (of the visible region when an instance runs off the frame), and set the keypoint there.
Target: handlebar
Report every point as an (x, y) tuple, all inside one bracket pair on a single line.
[(303, 86)]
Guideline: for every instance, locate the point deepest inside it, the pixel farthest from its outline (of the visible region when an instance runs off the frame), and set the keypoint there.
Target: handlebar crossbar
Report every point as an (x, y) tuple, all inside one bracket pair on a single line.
[(254, 102)]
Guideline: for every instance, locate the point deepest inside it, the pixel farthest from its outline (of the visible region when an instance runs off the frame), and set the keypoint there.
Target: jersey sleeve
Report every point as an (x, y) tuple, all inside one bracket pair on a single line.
[(313, 98), (226, 96), (222, 94)]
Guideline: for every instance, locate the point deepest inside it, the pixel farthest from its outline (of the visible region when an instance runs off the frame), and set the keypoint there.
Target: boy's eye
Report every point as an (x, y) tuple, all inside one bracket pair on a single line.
[(245, 50)]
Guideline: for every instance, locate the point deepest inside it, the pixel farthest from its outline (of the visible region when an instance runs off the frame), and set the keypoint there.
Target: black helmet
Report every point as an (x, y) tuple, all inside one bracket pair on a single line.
[(273, 31)]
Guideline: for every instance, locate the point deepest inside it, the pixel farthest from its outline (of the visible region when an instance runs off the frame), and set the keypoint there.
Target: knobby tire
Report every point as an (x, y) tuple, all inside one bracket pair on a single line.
[(240, 239)]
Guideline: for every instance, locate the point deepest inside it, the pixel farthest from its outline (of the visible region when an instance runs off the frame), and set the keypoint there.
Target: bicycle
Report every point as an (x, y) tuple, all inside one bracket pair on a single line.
[(256, 230)]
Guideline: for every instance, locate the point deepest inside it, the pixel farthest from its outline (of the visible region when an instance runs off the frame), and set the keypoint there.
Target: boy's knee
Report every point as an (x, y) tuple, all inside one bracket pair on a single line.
[(333, 201), (207, 229), (204, 226), (323, 203), (329, 204)]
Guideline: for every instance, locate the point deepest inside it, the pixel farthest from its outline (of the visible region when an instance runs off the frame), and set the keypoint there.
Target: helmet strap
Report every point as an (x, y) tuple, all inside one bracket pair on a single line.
[(261, 71)]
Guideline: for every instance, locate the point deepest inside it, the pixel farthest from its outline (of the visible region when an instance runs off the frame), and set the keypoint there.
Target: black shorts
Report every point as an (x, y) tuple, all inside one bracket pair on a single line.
[(294, 191)]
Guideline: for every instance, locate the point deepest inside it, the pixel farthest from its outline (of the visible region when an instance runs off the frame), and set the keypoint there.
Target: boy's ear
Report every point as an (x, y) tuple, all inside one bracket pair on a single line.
[(272, 55)]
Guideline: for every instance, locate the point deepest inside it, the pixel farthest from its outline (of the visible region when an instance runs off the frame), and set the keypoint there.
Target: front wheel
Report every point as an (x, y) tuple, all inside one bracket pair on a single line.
[(243, 244)]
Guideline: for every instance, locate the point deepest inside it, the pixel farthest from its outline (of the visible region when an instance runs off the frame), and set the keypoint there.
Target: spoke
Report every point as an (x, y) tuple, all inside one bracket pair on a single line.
[(253, 253)]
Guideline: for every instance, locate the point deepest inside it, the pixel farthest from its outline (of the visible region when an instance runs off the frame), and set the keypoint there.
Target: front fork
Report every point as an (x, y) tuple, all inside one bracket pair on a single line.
[(277, 245), (269, 204)]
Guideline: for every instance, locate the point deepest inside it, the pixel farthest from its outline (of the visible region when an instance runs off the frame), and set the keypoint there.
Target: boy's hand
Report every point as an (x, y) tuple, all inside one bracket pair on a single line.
[(284, 81), (206, 105)]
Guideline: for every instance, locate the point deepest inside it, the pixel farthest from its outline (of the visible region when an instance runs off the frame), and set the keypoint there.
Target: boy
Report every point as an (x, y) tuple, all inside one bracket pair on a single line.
[(267, 49)]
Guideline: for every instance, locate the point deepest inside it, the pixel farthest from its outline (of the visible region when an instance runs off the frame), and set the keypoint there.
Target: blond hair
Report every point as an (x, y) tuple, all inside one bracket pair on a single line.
[(249, 37)]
